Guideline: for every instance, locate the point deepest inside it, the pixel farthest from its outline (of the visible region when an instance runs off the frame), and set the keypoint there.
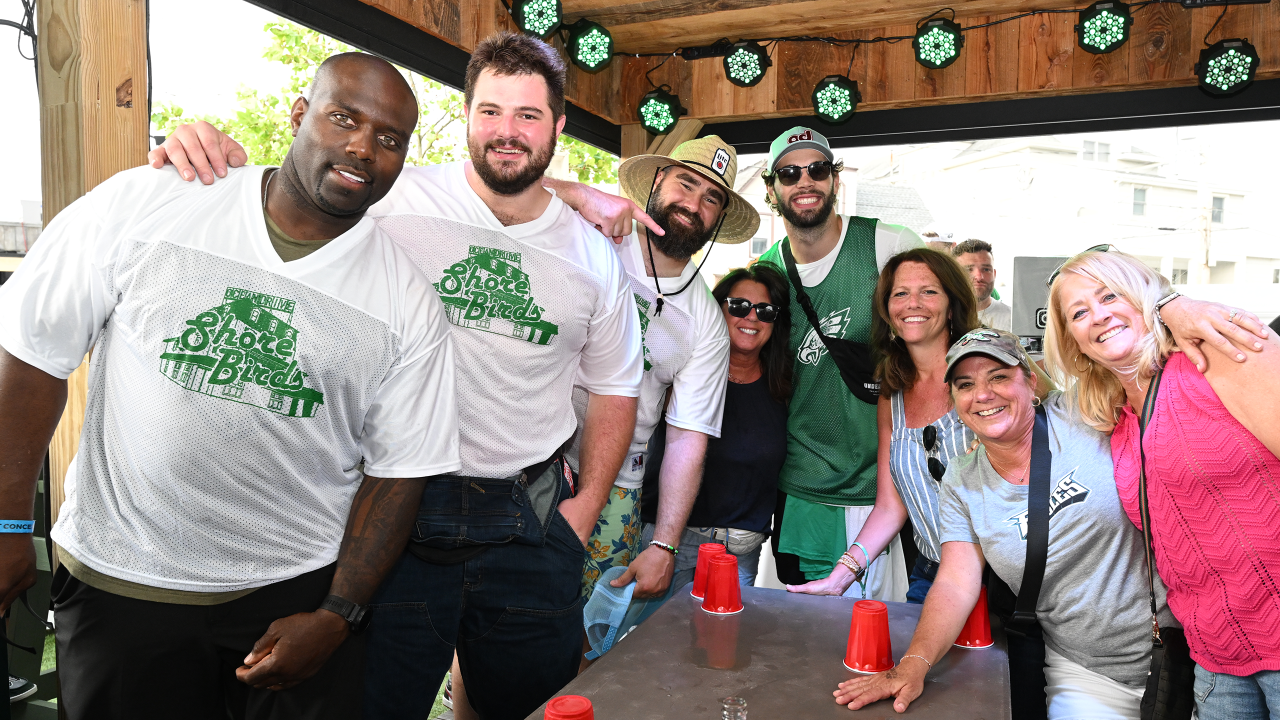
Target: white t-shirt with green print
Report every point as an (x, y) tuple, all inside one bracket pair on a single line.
[(535, 309), (233, 397), (686, 350)]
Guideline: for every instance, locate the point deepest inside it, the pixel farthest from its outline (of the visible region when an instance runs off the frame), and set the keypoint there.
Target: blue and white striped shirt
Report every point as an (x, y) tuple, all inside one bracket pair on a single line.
[(909, 467)]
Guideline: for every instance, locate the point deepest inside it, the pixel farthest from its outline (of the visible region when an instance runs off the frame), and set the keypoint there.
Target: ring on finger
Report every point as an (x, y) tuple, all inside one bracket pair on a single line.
[(1232, 317)]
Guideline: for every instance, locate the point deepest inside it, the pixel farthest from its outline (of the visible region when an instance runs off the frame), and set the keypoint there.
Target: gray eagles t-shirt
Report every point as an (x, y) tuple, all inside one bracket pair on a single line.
[(1093, 604)]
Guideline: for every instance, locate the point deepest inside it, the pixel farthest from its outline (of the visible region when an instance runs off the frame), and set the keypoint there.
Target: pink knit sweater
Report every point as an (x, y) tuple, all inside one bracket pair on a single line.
[(1214, 491)]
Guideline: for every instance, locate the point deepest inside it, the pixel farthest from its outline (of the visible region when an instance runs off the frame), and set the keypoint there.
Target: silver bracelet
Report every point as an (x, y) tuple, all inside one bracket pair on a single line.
[(926, 662)]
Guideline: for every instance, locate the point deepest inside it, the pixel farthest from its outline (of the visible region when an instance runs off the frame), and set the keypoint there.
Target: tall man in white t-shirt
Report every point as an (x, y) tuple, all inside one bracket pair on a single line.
[(539, 303), (975, 257), (686, 351), (827, 487), (244, 407)]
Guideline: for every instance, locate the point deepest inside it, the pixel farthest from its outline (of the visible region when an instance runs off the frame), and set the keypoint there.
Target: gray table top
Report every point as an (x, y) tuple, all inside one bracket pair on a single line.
[(784, 655)]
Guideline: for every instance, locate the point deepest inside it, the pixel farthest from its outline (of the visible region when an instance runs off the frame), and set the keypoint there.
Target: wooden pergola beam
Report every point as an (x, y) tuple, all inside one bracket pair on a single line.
[(93, 123)]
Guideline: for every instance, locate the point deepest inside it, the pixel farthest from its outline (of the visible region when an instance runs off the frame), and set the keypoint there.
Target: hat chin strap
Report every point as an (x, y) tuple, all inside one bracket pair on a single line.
[(649, 242)]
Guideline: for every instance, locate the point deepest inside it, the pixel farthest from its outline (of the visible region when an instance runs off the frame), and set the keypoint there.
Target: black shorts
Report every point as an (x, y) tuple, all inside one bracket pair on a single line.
[(124, 658)]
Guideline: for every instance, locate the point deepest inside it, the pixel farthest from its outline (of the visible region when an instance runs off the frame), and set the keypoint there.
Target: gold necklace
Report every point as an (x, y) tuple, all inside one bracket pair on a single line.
[(1020, 479)]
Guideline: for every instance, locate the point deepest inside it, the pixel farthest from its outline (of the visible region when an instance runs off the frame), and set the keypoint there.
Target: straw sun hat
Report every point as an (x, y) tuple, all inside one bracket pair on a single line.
[(710, 157)]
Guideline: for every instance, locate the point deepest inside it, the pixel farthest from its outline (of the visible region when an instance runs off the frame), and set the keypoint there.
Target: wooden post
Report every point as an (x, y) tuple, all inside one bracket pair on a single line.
[(93, 124), (635, 140)]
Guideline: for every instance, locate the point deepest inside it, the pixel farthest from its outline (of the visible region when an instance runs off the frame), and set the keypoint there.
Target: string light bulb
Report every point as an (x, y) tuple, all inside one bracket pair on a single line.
[(539, 18), (659, 110), (835, 98), (590, 45), (1227, 66), (745, 63), (937, 43), (1103, 27)]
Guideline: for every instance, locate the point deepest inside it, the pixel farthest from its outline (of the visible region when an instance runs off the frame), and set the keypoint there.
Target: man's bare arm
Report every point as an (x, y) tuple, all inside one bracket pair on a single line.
[(611, 214), (296, 647), (678, 484), (606, 437), (31, 403)]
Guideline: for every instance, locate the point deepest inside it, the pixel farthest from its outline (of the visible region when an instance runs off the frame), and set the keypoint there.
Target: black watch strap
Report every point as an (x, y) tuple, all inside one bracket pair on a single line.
[(357, 616)]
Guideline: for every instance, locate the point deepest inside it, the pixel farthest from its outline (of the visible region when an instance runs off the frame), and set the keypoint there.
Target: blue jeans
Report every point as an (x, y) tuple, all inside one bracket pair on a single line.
[(513, 612), (1220, 696), (923, 573)]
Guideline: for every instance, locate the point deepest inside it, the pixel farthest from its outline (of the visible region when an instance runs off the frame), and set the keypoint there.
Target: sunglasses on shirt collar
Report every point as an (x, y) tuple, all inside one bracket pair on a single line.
[(741, 307), (1105, 247), (936, 468)]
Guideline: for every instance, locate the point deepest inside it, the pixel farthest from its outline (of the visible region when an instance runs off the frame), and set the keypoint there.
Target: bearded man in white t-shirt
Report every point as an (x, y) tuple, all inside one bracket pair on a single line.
[(539, 303), (268, 369), (686, 351)]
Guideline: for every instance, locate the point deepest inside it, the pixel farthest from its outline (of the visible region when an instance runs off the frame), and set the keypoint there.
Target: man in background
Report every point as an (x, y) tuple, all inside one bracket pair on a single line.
[(975, 257)]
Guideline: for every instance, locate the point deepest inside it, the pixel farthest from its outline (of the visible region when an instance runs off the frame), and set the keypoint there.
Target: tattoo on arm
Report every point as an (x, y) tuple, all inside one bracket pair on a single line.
[(378, 528)]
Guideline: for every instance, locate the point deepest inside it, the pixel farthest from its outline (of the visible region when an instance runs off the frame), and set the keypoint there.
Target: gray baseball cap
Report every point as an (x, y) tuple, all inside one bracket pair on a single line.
[(798, 138), (999, 345)]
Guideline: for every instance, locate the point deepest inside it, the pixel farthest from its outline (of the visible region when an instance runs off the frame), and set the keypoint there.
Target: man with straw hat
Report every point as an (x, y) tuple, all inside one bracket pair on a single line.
[(828, 482), (686, 350)]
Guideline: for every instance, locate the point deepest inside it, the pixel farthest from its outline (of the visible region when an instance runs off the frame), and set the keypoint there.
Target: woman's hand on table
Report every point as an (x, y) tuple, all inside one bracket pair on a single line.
[(836, 583), (903, 683)]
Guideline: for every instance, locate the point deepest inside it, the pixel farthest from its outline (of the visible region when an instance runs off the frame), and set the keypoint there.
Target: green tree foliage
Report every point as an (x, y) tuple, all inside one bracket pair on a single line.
[(262, 122)]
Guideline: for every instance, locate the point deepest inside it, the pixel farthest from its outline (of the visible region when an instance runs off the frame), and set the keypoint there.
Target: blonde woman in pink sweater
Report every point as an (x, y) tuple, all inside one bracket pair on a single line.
[(1213, 477)]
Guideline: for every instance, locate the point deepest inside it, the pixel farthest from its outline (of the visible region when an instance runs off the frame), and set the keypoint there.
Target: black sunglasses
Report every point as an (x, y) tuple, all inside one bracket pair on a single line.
[(789, 175), (1105, 247), (936, 468), (741, 307)]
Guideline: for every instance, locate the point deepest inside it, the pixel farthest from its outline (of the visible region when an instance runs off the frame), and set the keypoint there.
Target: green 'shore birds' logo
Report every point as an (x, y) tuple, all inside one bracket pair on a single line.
[(488, 291), (642, 306), (244, 350)]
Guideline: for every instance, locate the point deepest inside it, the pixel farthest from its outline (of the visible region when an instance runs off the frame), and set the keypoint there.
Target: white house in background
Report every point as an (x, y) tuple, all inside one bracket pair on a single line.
[(1058, 195)]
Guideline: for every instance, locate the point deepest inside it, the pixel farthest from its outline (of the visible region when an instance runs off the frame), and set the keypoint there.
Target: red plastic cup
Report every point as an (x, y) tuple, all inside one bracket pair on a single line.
[(977, 629), (869, 650), (718, 636), (569, 707), (705, 552), (724, 594)]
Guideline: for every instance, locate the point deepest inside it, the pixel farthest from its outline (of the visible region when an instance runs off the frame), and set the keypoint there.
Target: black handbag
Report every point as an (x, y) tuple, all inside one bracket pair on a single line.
[(1169, 694), (856, 361)]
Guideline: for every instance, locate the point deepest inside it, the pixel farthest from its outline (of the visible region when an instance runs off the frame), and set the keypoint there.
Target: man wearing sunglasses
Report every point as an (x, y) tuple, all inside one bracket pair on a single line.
[(828, 483), (686, 352)]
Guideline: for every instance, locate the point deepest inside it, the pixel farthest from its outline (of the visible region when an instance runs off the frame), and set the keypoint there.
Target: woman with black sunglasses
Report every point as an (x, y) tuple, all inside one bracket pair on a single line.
[(923, 303), (740, 474)]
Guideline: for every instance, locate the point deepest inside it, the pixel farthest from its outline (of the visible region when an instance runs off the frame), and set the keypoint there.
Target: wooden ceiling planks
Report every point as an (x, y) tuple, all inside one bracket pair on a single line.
[(1027, 57)]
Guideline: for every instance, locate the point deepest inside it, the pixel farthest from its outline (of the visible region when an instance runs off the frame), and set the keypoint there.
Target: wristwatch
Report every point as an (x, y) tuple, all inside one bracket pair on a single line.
[(1165, 301), (357, 616)]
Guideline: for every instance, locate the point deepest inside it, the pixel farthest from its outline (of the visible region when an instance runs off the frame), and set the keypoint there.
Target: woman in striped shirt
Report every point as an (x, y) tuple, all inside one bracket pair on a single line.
[(923, 303)]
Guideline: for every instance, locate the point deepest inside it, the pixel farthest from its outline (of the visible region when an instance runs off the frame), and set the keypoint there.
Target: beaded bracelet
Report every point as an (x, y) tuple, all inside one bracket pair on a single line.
[(926, 662), (669, 548)]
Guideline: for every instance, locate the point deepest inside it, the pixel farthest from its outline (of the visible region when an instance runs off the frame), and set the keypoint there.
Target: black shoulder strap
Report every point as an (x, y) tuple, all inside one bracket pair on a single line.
[(801, 296), (1037, 522), (1148, 407)]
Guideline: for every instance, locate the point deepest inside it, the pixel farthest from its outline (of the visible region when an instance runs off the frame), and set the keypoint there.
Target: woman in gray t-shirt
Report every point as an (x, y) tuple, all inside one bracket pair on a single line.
[(1093, 602)]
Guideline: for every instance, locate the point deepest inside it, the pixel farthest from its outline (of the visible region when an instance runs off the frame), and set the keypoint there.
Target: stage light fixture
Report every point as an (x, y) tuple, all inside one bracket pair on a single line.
[(1227, 66), (745, 63), (590, 45), (937, 43), (1103, 27), (539, 18), (835, 98), (659, 110)]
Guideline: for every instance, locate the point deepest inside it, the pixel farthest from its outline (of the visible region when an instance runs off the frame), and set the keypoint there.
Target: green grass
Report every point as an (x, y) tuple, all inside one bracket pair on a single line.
[(438, 707)]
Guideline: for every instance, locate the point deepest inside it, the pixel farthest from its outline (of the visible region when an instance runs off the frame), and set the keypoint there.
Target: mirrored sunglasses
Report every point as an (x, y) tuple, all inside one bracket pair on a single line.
[(741, 307)]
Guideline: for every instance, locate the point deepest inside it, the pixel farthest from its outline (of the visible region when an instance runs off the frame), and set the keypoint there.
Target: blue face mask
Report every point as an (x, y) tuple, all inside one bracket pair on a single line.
[(611, 613)]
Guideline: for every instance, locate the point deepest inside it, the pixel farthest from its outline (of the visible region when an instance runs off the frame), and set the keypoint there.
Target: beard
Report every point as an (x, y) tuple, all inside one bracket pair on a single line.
[(813, 217), (506, 178), (680, 242)]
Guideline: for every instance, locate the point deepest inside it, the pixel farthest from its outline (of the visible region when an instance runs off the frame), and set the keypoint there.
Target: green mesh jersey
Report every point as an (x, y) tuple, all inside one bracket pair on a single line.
[(831, 435)]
